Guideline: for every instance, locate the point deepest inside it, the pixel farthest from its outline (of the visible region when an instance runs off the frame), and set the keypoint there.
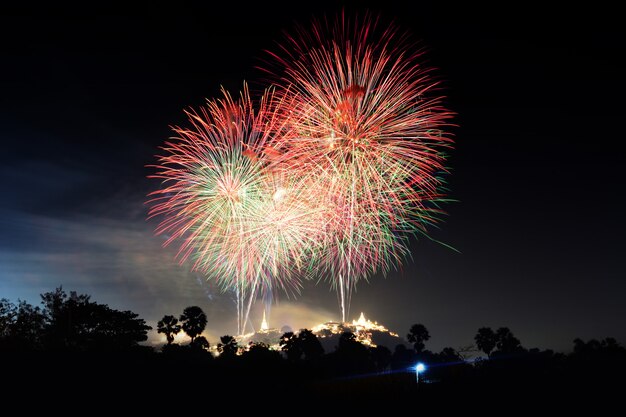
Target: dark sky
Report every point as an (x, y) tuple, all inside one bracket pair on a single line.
[(538, 169)]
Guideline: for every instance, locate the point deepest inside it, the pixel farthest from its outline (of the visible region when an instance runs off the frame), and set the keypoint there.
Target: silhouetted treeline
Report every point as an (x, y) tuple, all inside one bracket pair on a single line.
[(71, 335), (68, 323)]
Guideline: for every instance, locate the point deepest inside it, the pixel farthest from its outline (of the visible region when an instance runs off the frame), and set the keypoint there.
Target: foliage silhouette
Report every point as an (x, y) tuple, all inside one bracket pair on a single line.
[(381, 356), (72, 335), (486, 340), (402, 358), (193, 321), (7, 317), (227, 347), (200, 343), (304, 343), (418, 335), (169, 326), (507, 343), (21, 326), (260, 355), (74, 322), (352, 356), (290, 344), (449, 355), (311, 346)]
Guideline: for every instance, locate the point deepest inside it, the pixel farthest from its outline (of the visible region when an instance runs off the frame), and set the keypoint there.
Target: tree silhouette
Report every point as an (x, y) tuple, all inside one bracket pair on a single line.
[(610, 344), (74, 322), (256, 348), (402, 357), (290, 344), (449, 355), (29, 323), (169, 326), (304, 343), (349, 347), (310, 344), (600, 363), (418, 334), (593, 347), (381, 355), (486, 340), (21, 326), (200, 343), (228, 346), (507, 343), (259, 352), (8, 311), (346, 339), (352, 356), (582, 348), (193, 321), (263, 363)]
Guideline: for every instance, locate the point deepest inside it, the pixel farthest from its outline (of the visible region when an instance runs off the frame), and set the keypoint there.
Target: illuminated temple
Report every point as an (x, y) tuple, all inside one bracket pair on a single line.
[(365, 331), (368, 332)]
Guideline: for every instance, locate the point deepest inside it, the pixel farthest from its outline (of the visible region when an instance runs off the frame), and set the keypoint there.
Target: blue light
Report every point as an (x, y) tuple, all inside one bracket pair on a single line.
[(420, 367)]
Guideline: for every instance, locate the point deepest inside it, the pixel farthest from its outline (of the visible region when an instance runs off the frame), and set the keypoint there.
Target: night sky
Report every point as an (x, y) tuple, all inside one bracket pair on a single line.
[(538, 169)]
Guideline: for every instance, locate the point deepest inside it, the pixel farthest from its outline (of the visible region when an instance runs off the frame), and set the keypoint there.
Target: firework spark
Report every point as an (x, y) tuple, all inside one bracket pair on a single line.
[(368, 127), (241, 218), (328, 177)]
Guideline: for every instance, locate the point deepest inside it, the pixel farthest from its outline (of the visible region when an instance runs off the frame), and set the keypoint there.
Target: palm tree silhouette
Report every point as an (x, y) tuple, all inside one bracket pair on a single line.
[(418, 335), (169, 326), (193, 321), (228, 346), (486, 340)]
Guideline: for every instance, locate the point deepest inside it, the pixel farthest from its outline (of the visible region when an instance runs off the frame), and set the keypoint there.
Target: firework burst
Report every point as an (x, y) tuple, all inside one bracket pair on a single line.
[(240, 216), (328, 177), (366, 125)]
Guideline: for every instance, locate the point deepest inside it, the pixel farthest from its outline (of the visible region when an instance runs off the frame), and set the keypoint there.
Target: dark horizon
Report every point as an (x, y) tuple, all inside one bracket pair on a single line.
[(537, 168)]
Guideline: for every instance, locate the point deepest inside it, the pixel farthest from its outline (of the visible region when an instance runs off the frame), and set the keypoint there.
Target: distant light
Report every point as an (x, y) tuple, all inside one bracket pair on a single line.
[(419, 368)]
